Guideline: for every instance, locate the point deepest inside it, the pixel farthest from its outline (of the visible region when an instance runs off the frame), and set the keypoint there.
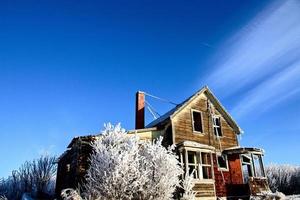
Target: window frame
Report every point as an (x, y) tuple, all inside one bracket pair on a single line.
[(201, 165), (216, 126), (226, 161), (68, 168), (198, 165), (249, 166), (195, 164), (193, 126)]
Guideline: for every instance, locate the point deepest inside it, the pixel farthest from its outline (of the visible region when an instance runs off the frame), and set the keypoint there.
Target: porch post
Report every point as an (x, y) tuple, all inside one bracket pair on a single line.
[(253, 165), (262, 165), (186, 160)]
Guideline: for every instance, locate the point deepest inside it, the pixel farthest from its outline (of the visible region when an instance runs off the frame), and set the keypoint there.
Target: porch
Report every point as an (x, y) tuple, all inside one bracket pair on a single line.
[(253, 171), (234, 173)]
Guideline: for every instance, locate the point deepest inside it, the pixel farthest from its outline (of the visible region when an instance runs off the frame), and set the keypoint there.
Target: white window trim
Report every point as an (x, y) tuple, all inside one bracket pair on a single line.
[(226, 160), (68, 167), (246, 163), (215, 126), (200, 165), (205, 165), (194, 131), (195, 165)]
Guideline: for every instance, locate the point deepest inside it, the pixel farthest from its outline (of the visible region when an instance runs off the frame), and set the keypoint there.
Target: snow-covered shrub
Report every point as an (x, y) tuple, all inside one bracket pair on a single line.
[(187, 185), (35, 178), (269, 196), (26, 196), (11, 186), (123, 167), (70, 194), (113, 171), (284, 178), (161, 167), (43, 172), (2, 197)]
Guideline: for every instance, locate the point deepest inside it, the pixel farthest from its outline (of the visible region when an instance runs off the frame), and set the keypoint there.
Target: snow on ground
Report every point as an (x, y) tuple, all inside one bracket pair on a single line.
[(274, 196), (292, 197), (26, 196)]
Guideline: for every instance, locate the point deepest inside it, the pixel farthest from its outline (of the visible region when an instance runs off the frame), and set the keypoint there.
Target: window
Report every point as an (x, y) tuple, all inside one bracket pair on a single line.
[(206, 165), (217, 126), (222, 162), (258, 165), (199, 163), (247, 168), (68, 167), (197, 121), (193, 163), (252, 166)]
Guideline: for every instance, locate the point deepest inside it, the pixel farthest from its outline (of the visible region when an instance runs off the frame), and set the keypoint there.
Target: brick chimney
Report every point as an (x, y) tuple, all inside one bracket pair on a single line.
[(140, 110)]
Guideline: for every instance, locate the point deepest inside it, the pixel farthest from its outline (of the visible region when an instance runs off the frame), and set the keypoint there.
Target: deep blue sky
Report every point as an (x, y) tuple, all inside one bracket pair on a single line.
[(67, 67)]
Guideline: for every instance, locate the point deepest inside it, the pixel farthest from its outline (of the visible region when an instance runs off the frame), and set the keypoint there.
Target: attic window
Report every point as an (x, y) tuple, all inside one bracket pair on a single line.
[(68, 168), (197, 121), (217, 126)]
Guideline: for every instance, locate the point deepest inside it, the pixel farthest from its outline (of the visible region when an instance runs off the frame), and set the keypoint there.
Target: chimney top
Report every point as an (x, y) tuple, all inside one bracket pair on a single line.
[(140, 110)]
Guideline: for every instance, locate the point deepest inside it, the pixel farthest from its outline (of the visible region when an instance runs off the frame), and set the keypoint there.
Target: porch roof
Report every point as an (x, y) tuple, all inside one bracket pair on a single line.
[(243, 150)]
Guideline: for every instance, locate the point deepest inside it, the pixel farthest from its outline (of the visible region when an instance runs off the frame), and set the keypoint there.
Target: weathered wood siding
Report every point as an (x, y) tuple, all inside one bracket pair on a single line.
[(183, 130), (72, 167), (147, 134), (204, 189)]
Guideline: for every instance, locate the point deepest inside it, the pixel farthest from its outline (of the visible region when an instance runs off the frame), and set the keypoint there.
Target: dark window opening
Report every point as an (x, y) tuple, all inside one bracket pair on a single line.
[(198, 163), (222, 162), (197, 121), (217, 126)]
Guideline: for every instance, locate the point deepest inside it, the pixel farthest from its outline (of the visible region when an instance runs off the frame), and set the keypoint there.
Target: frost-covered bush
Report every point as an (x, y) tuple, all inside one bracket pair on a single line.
[(161, 167), (187, 185), (123, 167), (3, 197), (35, 178), (269, 196), (284, 178), (70, 194)]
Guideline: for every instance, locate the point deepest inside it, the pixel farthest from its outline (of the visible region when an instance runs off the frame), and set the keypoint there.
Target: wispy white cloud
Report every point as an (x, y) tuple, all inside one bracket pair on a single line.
[(263, 59), (49, 150), (278, 88)]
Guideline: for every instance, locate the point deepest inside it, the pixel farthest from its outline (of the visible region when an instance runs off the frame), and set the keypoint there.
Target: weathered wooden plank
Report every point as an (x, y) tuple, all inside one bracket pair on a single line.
[(182, 124)]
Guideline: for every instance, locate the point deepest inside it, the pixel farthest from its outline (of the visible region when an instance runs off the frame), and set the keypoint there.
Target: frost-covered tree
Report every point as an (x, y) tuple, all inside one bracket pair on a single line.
[(113, 172), (70, 194), (284, 178), (43, 172), (36, 178), (2, 197), (123, 167), (161, 167)]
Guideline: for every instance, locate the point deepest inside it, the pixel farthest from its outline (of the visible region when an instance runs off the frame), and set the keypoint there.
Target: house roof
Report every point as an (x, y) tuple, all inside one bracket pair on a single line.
[(62, 155), (173, 112), (81, 138)]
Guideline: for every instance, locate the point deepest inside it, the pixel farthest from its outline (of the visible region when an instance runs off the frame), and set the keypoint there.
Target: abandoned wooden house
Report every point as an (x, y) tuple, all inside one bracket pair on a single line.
[(206, 138)]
